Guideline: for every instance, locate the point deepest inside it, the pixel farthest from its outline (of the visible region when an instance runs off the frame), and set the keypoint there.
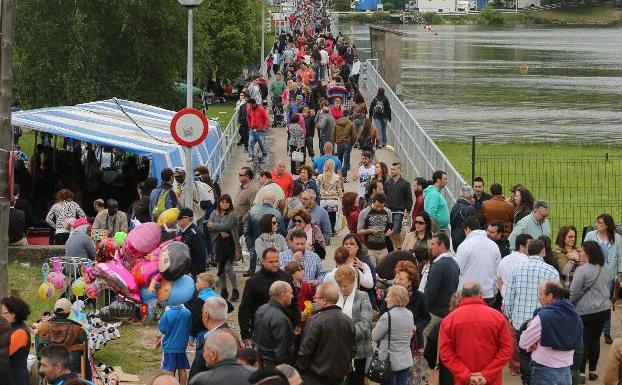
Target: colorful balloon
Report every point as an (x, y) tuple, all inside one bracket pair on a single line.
[(119, 311), (120, 237), (118, 278), (57, 279), (144, 271), (168, 217), (140, 241), (174, 260), (180, 292), (107, 250), (92, 289), (46, 290), (78, 287)]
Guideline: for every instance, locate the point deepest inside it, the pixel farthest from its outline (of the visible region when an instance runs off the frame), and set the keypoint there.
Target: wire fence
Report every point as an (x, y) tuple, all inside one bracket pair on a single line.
[(226, 143), (577, 187)]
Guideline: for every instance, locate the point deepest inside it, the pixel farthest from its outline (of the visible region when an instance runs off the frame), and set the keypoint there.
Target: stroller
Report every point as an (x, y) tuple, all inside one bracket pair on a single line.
[(278, 113)]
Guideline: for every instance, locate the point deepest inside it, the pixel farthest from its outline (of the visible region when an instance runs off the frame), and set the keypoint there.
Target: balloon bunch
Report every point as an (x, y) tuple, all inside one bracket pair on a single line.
[(142, 269), (52, 280)]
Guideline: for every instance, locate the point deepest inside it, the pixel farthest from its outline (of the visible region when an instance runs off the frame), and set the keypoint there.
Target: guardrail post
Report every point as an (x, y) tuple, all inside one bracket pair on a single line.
[(472, 159)]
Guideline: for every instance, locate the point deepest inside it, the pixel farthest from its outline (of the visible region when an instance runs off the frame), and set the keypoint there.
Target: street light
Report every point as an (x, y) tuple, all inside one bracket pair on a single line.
[(190, 5)]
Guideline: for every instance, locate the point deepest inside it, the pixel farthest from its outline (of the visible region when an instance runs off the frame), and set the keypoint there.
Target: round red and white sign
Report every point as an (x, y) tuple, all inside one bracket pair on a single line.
[(189, 127)]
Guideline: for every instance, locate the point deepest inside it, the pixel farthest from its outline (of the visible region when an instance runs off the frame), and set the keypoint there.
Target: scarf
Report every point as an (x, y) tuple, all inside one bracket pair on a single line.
[(346, 303), (562, 328)]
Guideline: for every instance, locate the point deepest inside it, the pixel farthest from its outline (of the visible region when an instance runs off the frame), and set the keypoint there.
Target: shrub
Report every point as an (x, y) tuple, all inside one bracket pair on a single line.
[(432, 18), (388, 6), (490, 15)]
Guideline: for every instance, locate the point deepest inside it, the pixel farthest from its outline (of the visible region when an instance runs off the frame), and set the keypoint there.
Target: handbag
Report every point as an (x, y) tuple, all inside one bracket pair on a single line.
[(380, 370), (434, 377), (298, 156)]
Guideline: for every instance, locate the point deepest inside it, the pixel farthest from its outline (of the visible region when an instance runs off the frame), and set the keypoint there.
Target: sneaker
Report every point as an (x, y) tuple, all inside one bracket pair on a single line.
[(593, 376)]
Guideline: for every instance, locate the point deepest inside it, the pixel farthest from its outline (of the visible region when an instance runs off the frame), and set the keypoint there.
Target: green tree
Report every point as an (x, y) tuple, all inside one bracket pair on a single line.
[(68, 52)]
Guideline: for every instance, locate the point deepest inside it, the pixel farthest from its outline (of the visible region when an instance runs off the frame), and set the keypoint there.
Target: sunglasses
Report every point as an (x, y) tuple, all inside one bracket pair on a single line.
[(298, 221), (419, 223)]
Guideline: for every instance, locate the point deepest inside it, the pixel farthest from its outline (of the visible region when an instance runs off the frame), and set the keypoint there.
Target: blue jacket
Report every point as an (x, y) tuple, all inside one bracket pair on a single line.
[(562, 328), (436, 206), (175, 327)]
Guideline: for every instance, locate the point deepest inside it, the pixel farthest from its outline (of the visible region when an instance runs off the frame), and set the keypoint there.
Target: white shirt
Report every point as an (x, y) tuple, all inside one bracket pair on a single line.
[(365, 277), (356, 68), (365, 175), (478, 258), (324, 56), (504, 270)]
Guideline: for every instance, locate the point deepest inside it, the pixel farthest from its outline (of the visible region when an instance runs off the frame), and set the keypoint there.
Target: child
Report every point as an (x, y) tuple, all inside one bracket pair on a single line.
[(204, 290), (175, 328), (303, 291)]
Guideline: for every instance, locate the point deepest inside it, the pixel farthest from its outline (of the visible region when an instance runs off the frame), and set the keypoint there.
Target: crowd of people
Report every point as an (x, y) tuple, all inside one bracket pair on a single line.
[(420, 290)]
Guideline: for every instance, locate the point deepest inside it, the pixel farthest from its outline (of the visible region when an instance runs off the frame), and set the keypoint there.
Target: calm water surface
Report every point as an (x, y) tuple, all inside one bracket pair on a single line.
[(513, 84)]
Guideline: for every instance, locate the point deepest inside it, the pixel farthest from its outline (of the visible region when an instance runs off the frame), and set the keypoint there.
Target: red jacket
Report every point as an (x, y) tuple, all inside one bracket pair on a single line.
[(352, 218), (285, 181), (475, 338), (305, 293), (257, 118)]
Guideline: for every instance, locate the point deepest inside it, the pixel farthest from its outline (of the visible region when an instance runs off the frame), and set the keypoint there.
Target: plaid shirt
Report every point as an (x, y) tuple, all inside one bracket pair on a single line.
[(523, 288), (311, 262)]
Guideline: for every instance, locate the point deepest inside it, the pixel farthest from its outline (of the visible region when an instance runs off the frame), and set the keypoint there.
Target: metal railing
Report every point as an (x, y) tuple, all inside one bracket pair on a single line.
[(417, 152), (226, 143)]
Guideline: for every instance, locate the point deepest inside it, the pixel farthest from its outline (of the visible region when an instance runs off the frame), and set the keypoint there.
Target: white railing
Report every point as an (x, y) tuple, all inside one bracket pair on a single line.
[(417, 152), (226, 143)]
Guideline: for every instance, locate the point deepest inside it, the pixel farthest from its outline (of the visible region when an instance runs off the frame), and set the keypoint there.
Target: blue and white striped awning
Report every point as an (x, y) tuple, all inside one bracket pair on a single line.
[(105, 123)]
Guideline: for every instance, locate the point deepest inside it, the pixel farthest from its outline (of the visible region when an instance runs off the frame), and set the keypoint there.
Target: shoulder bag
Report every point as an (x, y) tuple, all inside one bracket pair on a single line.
[(380, 370)]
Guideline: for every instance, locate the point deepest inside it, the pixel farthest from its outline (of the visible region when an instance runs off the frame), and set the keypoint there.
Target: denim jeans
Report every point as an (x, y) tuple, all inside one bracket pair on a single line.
[(381, 124), (255, 136), (250, 246), (398, 377), (343, 153), (542, 375)]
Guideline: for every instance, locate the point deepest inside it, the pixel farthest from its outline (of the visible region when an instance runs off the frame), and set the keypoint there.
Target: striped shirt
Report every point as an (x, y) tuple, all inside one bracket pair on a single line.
[(311, 262), (522, 291)]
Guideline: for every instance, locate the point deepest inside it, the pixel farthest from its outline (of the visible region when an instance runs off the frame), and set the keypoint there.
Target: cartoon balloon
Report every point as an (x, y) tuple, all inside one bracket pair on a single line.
[(92, 289), (168, 217), (46, 290), (141, 241), (144, 271), (180, 292), (174, 260), (119, 311), (78, 287), (118, 278), (107, 250)]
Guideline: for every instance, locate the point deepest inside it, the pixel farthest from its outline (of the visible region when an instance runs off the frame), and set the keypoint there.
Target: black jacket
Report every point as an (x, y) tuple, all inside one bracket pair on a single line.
[(504, 247), (224, 372), (441, 284), (256, 294), (458, 214), (421, 315), (242, 116), (387, 108), (478, 201), (198, 365), (399, 194), (328, 345), (430, 353), (195, 240), (274, 334)]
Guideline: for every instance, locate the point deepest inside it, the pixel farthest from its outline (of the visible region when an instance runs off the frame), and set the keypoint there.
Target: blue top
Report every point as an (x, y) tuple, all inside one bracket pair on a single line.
[(175, 327), (207, 292), (436, 206), (318, 163)]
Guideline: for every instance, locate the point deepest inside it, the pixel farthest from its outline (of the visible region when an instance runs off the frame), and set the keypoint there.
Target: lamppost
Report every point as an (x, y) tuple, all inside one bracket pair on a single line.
[(262, 71), (190, 5)]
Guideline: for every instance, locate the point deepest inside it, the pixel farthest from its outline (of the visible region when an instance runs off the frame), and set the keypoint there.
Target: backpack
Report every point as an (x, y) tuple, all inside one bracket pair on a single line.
[(160, 205), (366, 144), (378, 109)]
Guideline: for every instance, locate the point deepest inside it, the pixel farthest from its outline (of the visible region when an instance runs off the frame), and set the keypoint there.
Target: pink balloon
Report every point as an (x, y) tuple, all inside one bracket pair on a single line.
[(140, 241), (57, 279), (144, 271), (118, 278)]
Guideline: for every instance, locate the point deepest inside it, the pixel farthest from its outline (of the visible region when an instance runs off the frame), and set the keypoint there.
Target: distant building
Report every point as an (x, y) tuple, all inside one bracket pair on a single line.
[(366, 5), (437, 5)]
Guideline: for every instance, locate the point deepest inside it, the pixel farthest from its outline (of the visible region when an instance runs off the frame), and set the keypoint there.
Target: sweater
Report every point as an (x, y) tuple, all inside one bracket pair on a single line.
[(441, 284), (285, 181), (590, 291), (175, 327), (562, 328)]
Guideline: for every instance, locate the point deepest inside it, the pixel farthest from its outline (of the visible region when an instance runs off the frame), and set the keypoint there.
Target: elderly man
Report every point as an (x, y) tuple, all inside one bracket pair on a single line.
[(319, 216), (274, 335), (111, 218), (474, 355), (284, 179), (536, 224), (214, 315), (313, 268), (220, 350), (252, 227), (266, 184), (327, 347)]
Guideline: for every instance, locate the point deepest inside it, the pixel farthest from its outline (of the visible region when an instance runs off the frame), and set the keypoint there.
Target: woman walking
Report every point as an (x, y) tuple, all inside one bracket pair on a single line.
[(566, 253), (400, 332), (62, 214), (15, 311), (296, 143), (589, 292), (330, 191), (420, 232), (368, 137), (223, 228), (380, 111)]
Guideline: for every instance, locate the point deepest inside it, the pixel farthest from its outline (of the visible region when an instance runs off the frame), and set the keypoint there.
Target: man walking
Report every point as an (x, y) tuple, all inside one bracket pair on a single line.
[(258, 123), (246, 196), (552, 335), (374, 225), (364, 175), (328, 345), (274, 335), (324, 125), (344, 136), (535, 224), (474, 355), (442, 281), (479, 195), (434, 202), (478, 258), (399, 201), (284, 179), (495, 234), (498, 209), (163, 197), (194, 239), (242, 107)]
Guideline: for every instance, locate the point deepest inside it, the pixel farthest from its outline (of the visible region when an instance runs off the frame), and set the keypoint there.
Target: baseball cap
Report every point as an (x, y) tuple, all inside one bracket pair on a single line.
[(62, 306), (185, 212)]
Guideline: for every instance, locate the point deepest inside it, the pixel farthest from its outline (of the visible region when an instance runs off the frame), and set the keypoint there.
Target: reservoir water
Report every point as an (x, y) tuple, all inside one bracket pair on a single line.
[(525, 83)]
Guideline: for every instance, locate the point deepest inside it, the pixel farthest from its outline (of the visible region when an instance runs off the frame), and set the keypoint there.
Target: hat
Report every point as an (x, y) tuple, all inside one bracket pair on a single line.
[(80, 222), (185, 212), (62, 306), (178, 171)]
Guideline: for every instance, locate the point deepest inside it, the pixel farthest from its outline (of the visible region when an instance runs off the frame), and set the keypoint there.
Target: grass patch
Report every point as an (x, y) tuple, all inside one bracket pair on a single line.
[(578, 15), (579, 181), (222, 112)]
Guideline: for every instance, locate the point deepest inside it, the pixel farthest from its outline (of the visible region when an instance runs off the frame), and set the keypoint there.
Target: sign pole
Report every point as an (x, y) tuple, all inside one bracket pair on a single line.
[(189, 89)]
